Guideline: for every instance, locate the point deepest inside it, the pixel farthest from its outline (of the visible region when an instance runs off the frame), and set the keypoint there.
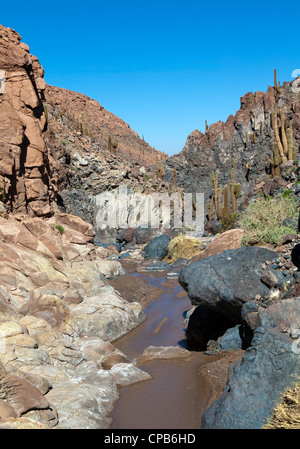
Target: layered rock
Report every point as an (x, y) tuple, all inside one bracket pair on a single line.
[(58, 317), (24, 166)]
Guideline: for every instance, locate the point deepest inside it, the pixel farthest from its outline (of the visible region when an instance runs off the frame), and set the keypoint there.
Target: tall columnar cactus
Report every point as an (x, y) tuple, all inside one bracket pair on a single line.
[(160, 171), (223, 211), (215, 186), (174, 176), (210, 208), (275, 78), (226, 202), (277, 136), (283, 133), (292, 153), (276, 161)]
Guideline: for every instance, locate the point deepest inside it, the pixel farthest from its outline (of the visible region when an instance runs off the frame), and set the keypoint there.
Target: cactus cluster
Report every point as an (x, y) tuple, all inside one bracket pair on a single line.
[(217, 202), (284, 148)]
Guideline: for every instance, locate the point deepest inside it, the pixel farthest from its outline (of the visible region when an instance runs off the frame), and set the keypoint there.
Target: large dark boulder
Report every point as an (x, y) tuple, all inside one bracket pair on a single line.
[(226, 281), (157, 248), (269, 366)]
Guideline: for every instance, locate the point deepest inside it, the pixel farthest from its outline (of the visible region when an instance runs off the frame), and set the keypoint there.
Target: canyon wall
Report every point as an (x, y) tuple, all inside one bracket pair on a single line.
[(25, 178)]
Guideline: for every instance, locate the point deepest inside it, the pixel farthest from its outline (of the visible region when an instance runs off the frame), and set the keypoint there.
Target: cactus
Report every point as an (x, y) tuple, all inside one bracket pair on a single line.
[(283, 133), (160, 171), (275, 78), (223, 211), (109, 146), (226, 202), (248, 166), (277, 136), (209, 207), (82, 125), (174, 176), (275, 162), (246, 139), (292, 152), (206, 125)]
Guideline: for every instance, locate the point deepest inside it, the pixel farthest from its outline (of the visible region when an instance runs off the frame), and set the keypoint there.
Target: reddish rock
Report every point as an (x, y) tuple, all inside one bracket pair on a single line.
[(23, 121), (228, 240)]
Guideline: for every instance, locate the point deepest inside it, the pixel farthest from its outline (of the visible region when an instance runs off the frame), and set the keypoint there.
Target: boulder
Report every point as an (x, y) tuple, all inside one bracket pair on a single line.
[(269, 366), (157, 248), (212, 227), (163, 352), (127, 374), (226, 281), (228, 240)]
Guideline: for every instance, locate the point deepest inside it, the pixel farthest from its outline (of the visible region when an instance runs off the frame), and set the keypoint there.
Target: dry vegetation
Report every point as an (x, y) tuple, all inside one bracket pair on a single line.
[(183, 246), (286, 415), (262, 220)]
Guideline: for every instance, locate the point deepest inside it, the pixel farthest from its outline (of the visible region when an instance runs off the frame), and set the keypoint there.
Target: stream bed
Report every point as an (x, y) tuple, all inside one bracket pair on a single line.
[(177, 394)]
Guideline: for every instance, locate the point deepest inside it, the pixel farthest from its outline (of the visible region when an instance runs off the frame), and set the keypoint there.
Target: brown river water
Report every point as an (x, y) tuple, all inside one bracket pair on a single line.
[(178, 392)]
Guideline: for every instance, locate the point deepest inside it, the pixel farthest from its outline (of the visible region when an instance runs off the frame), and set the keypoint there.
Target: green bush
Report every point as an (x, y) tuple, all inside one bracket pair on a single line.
[(262, 220), (60, 228)]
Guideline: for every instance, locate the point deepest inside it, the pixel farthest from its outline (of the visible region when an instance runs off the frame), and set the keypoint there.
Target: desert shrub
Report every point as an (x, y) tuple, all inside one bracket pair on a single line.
[(228, 221), (60, 228), (262, 220), (183, 246)]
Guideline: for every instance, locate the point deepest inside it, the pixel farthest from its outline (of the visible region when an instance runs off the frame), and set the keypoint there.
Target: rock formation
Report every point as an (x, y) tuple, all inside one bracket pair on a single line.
[(25, 177), (247, 138)]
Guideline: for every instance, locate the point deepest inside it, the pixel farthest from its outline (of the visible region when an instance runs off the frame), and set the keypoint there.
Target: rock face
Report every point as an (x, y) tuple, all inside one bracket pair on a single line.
[(25, 179)]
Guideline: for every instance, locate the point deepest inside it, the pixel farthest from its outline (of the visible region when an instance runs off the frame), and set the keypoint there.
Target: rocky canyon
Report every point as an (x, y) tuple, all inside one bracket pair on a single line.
[(72, 291)]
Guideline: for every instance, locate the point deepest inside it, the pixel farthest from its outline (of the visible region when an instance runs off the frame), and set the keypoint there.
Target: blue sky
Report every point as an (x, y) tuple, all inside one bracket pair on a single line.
[(162, 66)]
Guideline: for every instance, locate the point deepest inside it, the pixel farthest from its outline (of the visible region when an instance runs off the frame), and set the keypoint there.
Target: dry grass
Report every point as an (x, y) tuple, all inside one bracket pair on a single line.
[(183, 246), (262, 220), (286, 415)]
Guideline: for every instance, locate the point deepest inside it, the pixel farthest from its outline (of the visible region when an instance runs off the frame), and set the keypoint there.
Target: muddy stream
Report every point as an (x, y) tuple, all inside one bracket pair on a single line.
[(178, 393)]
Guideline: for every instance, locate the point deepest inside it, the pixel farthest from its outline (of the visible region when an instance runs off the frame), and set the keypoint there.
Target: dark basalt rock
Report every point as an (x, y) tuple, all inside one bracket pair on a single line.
[(157, 248), (269, 366), (226, 281)]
